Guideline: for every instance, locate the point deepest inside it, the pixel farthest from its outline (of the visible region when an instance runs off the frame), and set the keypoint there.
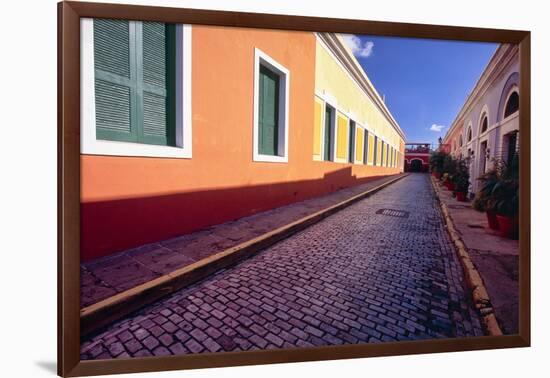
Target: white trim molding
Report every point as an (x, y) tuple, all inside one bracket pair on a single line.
[(261, 58), (335, 45), (504, 56), (90, 145), (484, 112)]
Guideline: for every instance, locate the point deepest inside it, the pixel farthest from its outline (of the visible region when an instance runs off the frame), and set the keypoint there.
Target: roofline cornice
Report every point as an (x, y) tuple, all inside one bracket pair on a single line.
[(500, 61), (337, 46)]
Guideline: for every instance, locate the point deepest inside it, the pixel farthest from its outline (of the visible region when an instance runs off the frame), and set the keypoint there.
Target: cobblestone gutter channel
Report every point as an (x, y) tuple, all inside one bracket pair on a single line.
[(479, 293)]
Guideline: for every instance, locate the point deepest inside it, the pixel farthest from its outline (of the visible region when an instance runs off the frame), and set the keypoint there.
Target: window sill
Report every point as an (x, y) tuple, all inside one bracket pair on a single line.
[(112, 148), (270, 158)]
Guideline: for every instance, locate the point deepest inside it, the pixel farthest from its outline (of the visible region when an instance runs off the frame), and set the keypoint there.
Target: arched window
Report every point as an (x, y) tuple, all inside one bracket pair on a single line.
[(469, 135), (484, 124), (460, 141), (512, 105)]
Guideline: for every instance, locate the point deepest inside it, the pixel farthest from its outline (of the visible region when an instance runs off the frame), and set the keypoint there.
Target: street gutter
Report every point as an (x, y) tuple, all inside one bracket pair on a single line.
[(480, 296), (107, 311)]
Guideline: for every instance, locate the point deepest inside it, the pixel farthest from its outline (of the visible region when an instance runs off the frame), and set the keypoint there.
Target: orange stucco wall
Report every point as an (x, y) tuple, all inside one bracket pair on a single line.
[(129, 201)]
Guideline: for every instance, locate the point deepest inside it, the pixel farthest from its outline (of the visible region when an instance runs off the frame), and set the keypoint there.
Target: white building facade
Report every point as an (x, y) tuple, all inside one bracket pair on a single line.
[(487, 126)]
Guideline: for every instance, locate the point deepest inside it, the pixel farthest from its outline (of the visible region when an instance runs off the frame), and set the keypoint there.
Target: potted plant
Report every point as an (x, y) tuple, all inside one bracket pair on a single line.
[(499, 196), (483, 201), (461, 180), (505, 195), (449, 167), (436, 163)]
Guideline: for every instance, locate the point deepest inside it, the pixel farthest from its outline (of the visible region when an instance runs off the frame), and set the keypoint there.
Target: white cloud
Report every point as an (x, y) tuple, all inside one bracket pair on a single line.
[(437, 128), (358, 47)]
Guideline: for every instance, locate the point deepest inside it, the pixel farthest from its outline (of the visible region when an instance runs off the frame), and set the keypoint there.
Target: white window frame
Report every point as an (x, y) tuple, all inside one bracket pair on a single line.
[(515, 89), (261, 58), (90, 145), (484, 113)]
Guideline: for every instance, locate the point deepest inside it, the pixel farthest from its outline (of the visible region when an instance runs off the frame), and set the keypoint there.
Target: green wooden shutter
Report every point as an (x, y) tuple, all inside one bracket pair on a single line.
[(156, 66), (351, 153), (268, 112), (115, 89), (134, 81), (327, 139)]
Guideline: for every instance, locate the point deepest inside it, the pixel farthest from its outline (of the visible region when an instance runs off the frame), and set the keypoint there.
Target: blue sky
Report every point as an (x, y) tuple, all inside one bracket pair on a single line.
[(425, 82)]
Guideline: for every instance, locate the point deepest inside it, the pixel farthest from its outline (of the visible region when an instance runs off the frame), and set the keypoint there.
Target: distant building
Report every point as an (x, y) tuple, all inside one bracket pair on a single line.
[(487, 126), (417, 157), (185, 127)]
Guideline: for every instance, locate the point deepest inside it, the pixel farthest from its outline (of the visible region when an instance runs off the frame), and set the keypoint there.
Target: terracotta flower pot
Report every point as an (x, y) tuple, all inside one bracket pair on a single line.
[(508, 226), (461, 196), (492, 220)]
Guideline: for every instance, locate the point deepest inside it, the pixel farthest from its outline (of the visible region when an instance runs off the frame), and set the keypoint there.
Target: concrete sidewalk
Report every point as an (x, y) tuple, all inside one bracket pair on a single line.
[(496, 258), (106, 277)]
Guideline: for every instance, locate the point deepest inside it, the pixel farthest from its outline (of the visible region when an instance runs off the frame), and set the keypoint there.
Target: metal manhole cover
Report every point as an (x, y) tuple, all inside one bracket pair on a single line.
[(393, 213)]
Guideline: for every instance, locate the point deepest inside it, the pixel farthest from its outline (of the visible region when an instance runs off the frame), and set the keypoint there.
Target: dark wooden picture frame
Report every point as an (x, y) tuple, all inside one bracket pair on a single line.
[(69, 14)]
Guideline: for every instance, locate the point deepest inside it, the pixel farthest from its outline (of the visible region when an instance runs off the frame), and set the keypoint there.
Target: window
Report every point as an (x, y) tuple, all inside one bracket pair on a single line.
[(460, 142), (376, 150), (511, 143), (512, 105), (351, 152), (134, 70), (382, 151), (469, 136), (484, 124), (268, 121), (328, 136), (359, 145), (318, 109), (366, 144), (135, 88), (371, 149), (271, 85), (342, 138)]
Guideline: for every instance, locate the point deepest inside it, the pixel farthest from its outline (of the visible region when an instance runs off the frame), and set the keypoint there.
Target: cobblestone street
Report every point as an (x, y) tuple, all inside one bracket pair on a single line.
[(380, 270)]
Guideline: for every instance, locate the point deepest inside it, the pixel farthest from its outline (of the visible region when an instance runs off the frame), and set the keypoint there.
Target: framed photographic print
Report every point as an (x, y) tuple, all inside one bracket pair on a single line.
[(239, 188)]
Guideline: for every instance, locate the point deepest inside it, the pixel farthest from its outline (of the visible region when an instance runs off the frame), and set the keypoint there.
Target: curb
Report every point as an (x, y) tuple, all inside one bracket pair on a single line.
[(100, 314), (480, 296)]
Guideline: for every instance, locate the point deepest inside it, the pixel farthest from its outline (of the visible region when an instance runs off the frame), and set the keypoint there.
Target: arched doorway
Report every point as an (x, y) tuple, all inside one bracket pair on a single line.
[(416, 165)]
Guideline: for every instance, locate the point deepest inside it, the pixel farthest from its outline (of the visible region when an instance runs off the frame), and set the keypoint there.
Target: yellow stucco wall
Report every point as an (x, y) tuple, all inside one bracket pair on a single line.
[(334, 84)]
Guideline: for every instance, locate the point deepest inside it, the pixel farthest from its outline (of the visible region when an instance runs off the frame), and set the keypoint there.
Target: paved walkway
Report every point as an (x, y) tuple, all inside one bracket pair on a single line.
[(380, 270), (496, 258), (105, 277)]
